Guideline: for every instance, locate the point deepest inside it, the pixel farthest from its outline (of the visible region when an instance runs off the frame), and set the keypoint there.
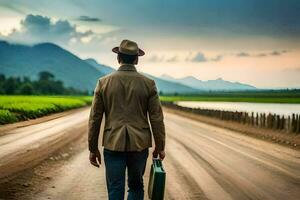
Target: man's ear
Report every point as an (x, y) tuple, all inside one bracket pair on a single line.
[(136, 60), (118, 58)]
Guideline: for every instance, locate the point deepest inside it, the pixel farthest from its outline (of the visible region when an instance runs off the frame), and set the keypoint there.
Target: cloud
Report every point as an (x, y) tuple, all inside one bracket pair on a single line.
[(243, 54), (275, 53), (156, 58), (173, 59), (199, 57), (217, 58), (263, 54), (85, 18), (37, 28), (292, 70)]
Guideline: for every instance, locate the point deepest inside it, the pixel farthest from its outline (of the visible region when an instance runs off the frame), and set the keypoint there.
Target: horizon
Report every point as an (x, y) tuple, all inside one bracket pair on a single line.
[(160, 76), (257, 44)]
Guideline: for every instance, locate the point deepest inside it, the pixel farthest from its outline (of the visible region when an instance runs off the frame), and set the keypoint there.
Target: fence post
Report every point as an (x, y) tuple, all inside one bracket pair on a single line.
[(293, 123), (288, 124), (278, 122), (282, 123), (297, 123)]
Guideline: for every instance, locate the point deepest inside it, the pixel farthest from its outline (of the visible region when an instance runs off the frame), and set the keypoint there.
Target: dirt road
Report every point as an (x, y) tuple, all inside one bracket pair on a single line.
[(22, 147), (203, 162)]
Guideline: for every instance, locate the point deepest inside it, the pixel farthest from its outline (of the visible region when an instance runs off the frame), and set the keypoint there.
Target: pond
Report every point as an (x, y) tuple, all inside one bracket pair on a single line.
[(275, 108)]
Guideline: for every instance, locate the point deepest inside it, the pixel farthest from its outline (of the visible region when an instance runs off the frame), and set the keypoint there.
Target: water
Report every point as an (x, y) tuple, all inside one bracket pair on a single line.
[(274, 108)]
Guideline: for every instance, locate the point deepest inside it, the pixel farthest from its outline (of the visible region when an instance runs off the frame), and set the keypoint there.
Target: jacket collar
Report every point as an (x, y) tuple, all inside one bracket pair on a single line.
[(127, 67)]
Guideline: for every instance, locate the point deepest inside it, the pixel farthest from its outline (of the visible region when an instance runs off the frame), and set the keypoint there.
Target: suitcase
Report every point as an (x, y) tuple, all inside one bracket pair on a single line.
[(157, 180)]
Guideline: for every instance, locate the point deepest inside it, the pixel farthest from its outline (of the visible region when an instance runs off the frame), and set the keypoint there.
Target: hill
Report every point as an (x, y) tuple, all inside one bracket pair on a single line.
[(164, 86), (210, 85), (102, 68), (22, 60)]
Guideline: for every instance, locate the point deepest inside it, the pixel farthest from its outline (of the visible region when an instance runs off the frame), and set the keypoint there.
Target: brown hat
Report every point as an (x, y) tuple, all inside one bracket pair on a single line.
[(128, 47)]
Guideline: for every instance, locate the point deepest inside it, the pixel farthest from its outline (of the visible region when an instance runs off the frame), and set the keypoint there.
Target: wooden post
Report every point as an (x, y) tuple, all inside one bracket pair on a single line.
[(269, 121), (288, 124), (278, 122), (274, 121), (293, 123), (297, 124), (282, 123)]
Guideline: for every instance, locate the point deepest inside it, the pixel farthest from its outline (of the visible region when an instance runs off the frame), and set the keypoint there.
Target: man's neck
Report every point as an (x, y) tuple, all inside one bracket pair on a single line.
[(127, 67), (122, 63)]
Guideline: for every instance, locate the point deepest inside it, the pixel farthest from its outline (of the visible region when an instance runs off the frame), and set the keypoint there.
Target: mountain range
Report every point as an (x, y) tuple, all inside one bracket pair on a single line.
[(163, 85), (209, 85), (24, 60)]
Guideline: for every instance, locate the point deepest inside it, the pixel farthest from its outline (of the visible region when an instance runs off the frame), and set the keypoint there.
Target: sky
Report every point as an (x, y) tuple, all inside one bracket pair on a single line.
[(250, 41)]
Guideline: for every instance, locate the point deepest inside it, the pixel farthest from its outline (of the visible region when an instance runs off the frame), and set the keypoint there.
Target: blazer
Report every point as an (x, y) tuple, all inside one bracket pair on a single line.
[(132, 109)]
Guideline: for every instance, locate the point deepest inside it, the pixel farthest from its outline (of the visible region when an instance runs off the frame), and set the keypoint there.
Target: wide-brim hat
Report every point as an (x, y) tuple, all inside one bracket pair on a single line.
[(129, 48)]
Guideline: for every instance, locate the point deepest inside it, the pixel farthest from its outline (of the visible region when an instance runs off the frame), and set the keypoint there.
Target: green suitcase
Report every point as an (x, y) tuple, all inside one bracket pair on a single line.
[(157, 180)]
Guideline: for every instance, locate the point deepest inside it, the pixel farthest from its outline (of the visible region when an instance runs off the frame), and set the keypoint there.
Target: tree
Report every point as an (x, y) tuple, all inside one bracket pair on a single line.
[(26, 88), (45, 76), (11, 85), (46, 84), (2, 81), (2, 78)]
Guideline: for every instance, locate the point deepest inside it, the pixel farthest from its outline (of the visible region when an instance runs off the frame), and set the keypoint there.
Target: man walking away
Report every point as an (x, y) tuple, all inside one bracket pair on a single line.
[(128, 99)]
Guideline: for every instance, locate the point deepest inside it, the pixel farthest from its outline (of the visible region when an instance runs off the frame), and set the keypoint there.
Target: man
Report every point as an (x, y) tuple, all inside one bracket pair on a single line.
[(129, 101)]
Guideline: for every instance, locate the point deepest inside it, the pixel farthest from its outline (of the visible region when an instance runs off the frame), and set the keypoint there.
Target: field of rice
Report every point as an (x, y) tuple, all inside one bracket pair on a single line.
[(19, 108)]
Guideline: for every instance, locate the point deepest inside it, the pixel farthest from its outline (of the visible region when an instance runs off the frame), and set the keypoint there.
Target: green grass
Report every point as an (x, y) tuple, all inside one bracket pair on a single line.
[(7, 117), (17, 108), (255, 99)]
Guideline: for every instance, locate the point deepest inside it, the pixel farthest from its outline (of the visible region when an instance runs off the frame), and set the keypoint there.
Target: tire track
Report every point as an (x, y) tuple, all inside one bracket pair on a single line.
[(230, 164), (180, 184), (230, 187), (270, 165)]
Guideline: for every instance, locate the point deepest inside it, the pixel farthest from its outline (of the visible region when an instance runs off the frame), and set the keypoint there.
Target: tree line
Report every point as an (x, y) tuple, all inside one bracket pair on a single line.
[(46, 84)]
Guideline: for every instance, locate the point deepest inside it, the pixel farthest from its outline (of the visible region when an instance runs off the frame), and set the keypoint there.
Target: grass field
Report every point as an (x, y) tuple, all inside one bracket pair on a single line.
[(260, 96), (18, 108)]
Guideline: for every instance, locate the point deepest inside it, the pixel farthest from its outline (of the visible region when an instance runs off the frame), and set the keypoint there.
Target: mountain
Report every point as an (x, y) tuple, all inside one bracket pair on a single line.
[(22, 60), (170, 87), (102, 68), (163, 85), (210, 85)]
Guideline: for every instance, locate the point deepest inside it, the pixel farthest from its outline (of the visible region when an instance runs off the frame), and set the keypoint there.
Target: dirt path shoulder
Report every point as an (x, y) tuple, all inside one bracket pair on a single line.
[(287, 139)]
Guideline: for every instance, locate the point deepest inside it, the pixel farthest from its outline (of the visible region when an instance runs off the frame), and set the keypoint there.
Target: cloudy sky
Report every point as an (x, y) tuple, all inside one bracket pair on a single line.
[(250, 41)]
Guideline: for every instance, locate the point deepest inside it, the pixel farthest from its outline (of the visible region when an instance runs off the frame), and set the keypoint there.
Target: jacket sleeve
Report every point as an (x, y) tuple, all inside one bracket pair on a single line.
[(156, 118), (95, 119)]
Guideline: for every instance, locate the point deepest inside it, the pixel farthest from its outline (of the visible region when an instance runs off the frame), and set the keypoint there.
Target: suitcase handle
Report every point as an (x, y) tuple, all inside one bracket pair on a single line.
[(158, 163)]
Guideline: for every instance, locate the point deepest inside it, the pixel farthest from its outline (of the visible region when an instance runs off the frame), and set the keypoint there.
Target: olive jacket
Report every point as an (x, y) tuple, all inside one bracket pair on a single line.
[(129, 101)]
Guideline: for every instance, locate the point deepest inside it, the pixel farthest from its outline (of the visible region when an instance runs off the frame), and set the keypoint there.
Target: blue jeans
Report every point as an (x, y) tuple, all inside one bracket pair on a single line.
[(115, 165)]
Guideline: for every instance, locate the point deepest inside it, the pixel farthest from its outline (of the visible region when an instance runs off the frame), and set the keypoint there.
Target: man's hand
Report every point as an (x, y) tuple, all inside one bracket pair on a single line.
[(94, 157), (157, 153)]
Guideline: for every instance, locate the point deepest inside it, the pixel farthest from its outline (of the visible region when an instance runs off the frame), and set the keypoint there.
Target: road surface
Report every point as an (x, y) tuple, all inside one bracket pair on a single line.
[(202, 162)]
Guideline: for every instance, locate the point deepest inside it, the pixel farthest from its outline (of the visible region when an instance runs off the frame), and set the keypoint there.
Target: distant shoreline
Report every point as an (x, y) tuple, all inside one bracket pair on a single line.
[(254, 99)]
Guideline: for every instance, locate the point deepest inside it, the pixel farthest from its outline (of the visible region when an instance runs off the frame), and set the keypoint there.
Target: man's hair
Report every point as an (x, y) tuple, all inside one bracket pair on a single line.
[(128, 59)]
